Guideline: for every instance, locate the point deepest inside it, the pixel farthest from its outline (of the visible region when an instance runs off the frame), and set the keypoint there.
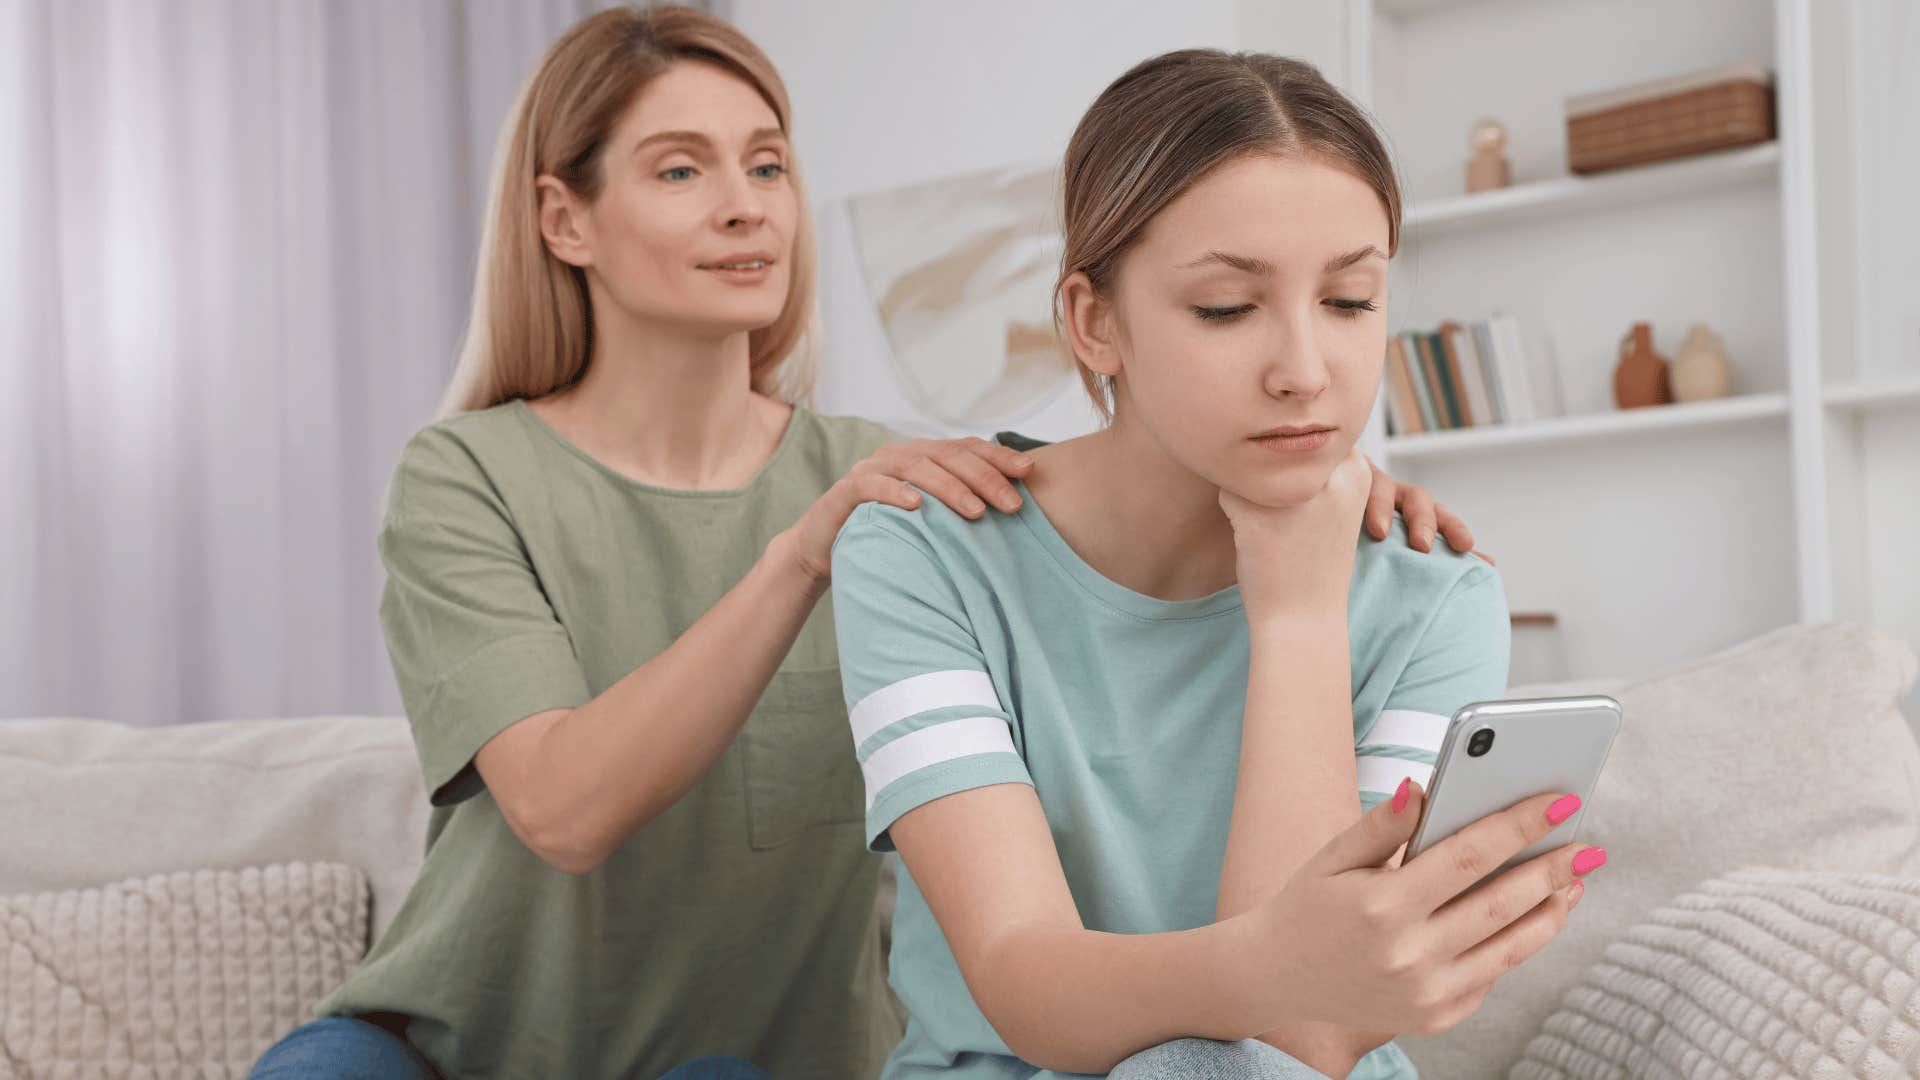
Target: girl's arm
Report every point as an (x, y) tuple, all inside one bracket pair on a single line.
[(1297, 780), (574, 783)]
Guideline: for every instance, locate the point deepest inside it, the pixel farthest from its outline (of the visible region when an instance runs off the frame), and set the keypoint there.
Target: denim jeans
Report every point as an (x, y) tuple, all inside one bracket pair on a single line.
[(341, 1048)]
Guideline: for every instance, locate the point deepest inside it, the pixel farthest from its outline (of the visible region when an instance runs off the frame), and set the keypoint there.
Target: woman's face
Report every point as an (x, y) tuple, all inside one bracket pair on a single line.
[(1250, 322), (694, 225)]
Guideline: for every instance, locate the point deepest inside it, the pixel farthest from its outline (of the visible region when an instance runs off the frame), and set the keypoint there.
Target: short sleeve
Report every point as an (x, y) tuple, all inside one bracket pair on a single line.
[(927, 720), (475, 643), (1461, 658)]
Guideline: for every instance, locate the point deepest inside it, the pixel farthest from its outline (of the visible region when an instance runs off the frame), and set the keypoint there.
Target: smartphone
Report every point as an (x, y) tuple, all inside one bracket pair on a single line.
[(1498, 753)]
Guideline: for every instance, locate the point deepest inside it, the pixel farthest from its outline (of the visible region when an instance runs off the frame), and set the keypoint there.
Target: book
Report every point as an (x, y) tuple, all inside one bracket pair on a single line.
[(1466, 386), (1460, 339), (1443, 380), (1511, 352), (1403, 409), (1417, 375), (1496, 390)]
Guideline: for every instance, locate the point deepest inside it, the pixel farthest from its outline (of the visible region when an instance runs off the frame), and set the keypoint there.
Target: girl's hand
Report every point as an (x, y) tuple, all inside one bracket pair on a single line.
[(965, 474), (1422, 513), (1398, 949), (1298, 560)]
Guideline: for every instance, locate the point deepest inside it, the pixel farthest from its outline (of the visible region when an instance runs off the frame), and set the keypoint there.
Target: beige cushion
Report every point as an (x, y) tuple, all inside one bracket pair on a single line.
[(184, 974), (1788, 751), (85, 802), (1764, 973)]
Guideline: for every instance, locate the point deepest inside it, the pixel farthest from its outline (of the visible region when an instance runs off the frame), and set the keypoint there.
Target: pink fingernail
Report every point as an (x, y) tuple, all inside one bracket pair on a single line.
[(1401, 794), (1588, 861), (1563, 808)]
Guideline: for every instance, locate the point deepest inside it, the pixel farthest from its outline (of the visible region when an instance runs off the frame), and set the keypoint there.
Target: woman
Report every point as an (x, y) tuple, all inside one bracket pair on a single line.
[(603, 608), (1116, 736)]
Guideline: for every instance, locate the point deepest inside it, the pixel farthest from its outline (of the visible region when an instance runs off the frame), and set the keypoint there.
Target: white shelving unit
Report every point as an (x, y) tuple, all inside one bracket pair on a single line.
[(1653, 535)]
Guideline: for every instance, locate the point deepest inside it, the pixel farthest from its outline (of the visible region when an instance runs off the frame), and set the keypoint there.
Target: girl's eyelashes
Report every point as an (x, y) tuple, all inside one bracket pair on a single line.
[(1347, 309), (678, 173), (771, 170)]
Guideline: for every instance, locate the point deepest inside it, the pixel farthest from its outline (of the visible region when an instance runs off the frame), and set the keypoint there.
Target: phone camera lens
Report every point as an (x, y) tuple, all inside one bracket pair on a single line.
[(1480, 743)]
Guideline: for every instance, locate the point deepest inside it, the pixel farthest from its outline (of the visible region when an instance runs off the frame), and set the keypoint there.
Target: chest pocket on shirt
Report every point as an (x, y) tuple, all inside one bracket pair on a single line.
[(800, 766)]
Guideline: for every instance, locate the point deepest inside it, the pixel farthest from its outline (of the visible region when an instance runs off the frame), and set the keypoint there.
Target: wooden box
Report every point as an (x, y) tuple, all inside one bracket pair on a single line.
[(1653, 121)]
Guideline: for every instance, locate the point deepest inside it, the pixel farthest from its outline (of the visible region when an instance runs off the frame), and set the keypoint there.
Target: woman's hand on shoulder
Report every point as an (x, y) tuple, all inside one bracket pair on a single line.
[(1424, 515), (965, 474)]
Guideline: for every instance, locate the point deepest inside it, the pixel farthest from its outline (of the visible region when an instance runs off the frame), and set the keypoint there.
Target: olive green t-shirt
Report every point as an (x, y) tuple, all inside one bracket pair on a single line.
[(524, 575)]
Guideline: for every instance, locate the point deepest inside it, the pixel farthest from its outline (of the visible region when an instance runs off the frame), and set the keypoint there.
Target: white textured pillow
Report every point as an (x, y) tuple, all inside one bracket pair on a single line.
[(1759, 974), (193, 973), (1787, 751)]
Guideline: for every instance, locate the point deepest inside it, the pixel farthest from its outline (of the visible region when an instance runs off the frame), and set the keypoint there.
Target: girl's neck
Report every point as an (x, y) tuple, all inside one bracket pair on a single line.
[(666, 406), (1134, 514)]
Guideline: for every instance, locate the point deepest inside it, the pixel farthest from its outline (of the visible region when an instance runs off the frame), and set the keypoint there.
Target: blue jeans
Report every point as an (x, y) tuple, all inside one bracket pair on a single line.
[(341, 1048)]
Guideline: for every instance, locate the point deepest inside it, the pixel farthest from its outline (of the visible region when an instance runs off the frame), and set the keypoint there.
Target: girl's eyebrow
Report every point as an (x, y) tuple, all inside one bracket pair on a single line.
[(1336, 265), (1249, 264)]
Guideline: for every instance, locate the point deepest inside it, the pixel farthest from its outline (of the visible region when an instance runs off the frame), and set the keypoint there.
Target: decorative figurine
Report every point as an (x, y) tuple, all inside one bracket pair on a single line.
[(1701, 370), (1641, 378), (1487, 169)]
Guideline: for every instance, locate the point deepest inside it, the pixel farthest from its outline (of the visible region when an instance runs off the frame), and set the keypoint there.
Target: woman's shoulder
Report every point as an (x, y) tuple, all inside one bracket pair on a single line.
[(461, 451), (844, 439)]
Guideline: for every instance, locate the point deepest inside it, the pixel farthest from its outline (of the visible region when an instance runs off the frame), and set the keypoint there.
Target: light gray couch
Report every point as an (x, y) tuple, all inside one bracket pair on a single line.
[(1787, 751)]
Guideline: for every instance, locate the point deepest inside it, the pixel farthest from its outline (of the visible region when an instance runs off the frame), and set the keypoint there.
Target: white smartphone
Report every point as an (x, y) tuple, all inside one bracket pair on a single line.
[(1498, 753)]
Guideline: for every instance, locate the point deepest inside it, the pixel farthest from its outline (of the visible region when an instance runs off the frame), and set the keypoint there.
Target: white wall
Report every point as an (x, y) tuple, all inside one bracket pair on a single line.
[(886, 95)]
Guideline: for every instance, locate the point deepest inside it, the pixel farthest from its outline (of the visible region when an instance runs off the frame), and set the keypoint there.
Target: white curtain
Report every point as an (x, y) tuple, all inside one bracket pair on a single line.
[(236, 249)]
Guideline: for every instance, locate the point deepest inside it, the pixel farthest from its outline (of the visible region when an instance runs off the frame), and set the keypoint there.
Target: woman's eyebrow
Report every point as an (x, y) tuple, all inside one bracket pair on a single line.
[(701, 139)]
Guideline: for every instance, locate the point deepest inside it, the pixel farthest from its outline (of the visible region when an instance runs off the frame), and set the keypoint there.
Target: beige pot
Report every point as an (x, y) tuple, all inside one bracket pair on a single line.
[(1701, 370)]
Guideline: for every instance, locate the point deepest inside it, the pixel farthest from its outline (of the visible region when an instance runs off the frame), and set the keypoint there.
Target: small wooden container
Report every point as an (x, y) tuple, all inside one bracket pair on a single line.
[(1716, 109)]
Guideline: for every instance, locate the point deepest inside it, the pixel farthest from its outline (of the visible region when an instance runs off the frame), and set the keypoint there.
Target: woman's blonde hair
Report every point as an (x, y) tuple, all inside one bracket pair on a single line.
[(1161, 127), (531, 328)]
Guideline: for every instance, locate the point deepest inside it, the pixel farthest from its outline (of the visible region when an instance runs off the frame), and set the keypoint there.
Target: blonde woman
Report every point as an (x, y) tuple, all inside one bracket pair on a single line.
[(604, 609), (1123, 738)]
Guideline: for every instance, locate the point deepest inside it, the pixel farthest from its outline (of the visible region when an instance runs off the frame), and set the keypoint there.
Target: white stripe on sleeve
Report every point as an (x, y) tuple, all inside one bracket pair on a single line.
[(1383, 774), (933, 745), (1405, 727), (935, 690)]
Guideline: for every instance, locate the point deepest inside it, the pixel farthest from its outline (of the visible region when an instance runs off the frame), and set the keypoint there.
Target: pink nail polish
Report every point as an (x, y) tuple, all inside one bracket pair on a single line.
[(1400, 795), (1588, 861), (1563, 808)]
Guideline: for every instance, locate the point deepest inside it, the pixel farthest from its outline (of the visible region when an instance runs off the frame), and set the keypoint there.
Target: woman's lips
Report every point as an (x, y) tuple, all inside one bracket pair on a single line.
[(1304, 443)]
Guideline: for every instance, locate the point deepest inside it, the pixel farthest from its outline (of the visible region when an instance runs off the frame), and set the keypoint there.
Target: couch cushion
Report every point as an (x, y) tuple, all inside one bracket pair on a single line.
[(84, 802), (1788, 751), (183, 974), (1763, 972)]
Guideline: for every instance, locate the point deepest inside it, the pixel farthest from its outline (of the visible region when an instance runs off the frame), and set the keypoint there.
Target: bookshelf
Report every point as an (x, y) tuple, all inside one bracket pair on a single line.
[(1652, 536)]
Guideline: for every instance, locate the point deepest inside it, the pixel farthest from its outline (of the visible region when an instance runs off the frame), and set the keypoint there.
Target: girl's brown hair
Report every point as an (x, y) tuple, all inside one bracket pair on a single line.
[(1170, 121), (531, 329)]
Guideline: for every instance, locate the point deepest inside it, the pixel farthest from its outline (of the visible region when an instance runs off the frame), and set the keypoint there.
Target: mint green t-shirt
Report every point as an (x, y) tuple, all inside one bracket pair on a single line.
[(987, 652), (523, 575)]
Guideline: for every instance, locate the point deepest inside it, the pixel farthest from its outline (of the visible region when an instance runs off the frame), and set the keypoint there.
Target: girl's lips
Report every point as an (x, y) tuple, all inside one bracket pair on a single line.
[(1295, 444)]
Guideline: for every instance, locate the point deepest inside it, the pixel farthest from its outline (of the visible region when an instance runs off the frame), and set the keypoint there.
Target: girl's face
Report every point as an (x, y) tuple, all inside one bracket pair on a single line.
[(1248, 325), (693, 227)]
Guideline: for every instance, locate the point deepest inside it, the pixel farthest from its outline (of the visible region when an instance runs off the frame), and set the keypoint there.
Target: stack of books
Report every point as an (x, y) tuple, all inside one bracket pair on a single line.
[(1457, 376)]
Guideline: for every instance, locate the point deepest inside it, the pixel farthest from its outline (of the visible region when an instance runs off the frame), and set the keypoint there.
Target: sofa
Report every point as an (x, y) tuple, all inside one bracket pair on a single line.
[(173, 899)]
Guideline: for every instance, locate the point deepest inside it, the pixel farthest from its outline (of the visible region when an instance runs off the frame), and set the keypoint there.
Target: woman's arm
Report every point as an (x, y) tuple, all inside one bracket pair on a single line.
[(574, 783)]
